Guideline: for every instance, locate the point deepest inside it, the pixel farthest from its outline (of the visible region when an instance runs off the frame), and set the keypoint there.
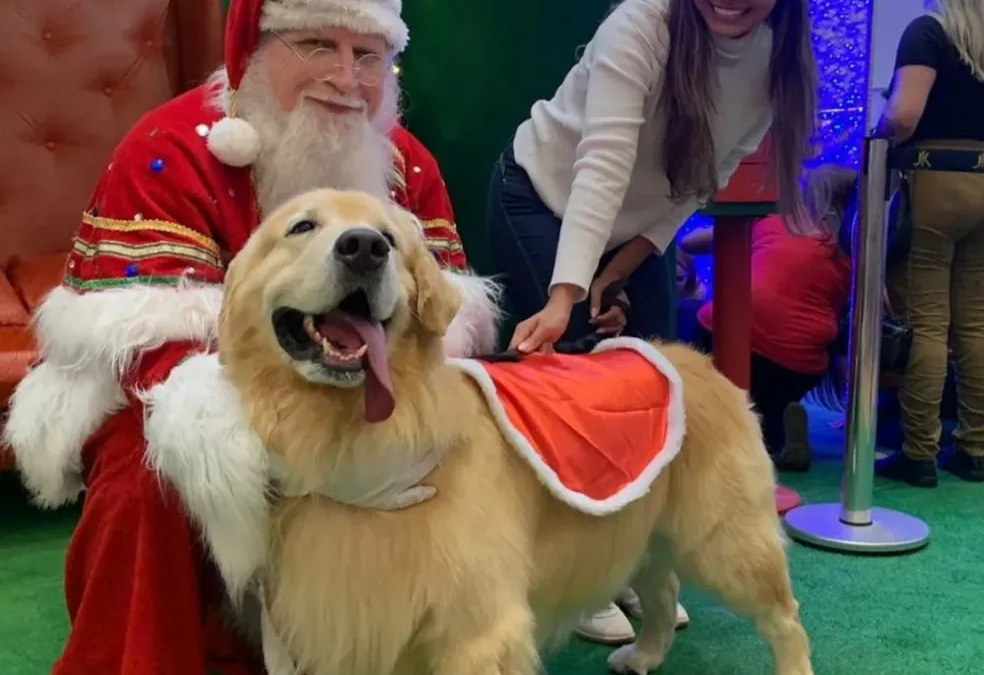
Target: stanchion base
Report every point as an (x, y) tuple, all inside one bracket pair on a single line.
[(889, 531)]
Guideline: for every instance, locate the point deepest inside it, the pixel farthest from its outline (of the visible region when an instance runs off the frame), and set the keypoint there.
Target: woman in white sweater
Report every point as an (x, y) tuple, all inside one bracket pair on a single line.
[(667, 99)]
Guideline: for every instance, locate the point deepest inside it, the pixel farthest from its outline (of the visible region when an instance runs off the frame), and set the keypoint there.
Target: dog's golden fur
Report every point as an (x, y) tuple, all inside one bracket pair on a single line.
[(477, 579)]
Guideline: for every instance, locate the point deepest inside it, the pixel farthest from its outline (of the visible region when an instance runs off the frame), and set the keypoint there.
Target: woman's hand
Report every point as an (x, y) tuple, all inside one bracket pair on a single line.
[(541, 331), (612, 321)]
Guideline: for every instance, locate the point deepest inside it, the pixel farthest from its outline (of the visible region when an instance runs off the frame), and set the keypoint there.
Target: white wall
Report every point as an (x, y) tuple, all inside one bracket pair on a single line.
[(890, 19)]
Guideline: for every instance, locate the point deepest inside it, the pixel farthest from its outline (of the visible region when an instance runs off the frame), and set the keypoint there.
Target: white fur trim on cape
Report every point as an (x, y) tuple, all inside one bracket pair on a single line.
[(86, 342), (234, 142), (371, 17), (475, 329), (638, 488), (198, 438)]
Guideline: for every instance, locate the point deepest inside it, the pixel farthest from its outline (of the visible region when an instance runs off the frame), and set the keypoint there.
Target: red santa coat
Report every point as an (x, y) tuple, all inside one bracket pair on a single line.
[(142, 291), (166, 209)]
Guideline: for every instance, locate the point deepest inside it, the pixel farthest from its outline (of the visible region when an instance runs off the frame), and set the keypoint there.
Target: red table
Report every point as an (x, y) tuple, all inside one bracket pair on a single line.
[(750, 195)]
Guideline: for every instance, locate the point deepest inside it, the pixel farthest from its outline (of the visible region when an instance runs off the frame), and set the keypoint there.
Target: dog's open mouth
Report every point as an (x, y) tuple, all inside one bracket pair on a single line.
[(347, 343)]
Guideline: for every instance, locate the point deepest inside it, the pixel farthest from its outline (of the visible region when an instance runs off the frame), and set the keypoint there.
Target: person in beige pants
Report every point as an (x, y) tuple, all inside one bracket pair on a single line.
[(941, 292), (936, 103)]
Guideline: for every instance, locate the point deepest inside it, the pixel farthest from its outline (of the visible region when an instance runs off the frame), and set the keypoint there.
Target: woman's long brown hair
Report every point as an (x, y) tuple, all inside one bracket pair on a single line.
[(688, 103), (828, 191)]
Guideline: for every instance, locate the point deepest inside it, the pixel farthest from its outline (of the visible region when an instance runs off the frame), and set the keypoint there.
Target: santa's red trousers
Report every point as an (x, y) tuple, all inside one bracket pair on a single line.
[(142, 598)]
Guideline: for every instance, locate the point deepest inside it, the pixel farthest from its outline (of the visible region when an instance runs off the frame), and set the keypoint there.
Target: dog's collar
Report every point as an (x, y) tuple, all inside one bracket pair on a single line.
[(374, 493)]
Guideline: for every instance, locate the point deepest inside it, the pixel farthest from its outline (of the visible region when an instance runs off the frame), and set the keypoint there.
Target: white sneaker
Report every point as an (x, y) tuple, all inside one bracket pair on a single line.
[(682, 618), (628, 600), (607, 627)]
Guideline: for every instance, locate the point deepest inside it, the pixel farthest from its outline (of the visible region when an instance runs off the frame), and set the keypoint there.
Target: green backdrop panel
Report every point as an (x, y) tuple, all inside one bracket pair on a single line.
[(470, 75)]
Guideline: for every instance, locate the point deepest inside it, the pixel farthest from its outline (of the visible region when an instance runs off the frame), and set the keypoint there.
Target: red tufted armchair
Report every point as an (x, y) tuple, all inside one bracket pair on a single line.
[(74, 76)]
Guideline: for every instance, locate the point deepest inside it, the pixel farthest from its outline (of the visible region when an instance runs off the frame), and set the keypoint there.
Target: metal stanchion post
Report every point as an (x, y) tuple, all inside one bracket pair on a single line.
[(853, 525)]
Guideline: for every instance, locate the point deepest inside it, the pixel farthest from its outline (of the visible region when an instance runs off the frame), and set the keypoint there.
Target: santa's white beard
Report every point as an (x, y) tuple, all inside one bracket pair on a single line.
[(310, 147)]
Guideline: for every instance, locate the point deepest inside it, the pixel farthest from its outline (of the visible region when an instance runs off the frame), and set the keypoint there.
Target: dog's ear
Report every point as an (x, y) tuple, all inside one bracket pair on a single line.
[(438, 300)]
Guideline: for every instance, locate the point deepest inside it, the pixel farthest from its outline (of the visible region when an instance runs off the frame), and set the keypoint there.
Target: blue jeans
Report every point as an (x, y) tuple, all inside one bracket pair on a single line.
[(525, 234)]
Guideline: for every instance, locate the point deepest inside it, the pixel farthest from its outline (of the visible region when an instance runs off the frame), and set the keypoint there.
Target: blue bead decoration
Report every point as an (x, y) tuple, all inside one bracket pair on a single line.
[(95, 211), (157, 165), (841, 42), (131, 271)]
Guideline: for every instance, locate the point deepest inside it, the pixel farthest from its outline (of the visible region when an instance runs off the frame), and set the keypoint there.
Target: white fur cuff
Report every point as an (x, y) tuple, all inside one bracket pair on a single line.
[(199, 439), (87, 342), (119, 323), (475, 329), (52, 413)]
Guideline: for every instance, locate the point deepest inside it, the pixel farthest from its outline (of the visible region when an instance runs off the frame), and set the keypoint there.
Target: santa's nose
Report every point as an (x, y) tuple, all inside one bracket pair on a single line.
[(344, 80)]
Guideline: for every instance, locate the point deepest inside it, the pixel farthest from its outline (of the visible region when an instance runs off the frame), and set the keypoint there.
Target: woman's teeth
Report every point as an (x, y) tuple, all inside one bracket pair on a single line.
[(727, 13)]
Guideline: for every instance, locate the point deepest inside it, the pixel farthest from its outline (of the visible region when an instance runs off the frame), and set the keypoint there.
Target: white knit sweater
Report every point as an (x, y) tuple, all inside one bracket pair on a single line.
[(593, 151)]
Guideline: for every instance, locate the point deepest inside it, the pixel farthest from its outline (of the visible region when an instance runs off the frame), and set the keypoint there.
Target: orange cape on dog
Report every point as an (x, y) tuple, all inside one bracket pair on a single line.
[(597, 428)]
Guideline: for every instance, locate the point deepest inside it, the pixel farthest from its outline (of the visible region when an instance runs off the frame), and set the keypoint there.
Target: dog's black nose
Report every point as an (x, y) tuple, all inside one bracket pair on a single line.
[(362, 250)]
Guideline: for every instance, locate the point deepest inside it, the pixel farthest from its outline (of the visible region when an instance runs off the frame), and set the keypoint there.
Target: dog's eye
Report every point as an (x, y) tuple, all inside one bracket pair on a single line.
[(388, 236), (301, 227)]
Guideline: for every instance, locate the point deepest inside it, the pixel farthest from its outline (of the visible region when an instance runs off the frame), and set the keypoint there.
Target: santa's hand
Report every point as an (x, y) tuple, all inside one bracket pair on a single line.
[(386, 487), (199, 439)]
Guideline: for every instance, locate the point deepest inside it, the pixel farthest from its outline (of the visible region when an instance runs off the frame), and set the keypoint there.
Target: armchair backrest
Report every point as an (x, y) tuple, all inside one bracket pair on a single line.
[(74, 77)]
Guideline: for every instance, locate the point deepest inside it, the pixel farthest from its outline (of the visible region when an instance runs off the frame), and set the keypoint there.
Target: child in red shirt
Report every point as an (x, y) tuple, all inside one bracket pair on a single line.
[(800, 287)]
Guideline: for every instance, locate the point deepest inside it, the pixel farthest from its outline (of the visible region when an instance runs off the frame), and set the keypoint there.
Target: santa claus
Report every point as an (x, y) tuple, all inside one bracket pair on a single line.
[(307, 99)]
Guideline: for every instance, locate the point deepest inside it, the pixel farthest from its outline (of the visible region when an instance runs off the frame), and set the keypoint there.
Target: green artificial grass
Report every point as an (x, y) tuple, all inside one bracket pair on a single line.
[(918, 614), (33, 624)]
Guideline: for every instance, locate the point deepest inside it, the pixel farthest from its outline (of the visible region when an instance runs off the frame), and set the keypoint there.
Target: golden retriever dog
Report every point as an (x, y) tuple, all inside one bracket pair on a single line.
[(330, 337)]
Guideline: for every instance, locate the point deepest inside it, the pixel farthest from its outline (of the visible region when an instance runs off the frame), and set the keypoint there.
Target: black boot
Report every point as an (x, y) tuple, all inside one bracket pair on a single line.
[(962, 465), (796, 455), (917, 472)]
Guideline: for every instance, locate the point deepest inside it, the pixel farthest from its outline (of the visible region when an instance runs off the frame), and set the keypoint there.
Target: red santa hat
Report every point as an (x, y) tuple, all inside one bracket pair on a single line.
[(234, 141)]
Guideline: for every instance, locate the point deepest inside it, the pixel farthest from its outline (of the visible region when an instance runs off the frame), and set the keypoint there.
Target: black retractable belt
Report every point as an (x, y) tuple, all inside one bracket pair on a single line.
[(609, 299)]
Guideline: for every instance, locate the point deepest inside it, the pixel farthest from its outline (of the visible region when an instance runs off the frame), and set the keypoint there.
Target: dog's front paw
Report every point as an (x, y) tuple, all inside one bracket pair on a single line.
[(629, 659), (407, 498)]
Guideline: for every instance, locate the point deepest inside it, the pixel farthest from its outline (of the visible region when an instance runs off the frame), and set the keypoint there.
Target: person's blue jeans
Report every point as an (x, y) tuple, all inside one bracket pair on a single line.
[(525, 234)]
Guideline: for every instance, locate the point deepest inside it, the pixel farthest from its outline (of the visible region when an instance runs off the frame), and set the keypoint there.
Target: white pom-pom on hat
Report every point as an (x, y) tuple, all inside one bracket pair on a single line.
[(234, 142)]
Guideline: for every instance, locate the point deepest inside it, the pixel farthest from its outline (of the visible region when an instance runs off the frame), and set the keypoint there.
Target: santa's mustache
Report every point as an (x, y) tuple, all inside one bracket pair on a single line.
[(353, 103)]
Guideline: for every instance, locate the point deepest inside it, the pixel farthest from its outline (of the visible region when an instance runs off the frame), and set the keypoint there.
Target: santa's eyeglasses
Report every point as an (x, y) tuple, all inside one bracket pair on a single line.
[(326, 61)]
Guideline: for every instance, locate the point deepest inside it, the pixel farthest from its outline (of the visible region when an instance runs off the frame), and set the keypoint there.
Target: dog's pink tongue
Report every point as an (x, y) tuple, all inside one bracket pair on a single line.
[(379, 389)]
